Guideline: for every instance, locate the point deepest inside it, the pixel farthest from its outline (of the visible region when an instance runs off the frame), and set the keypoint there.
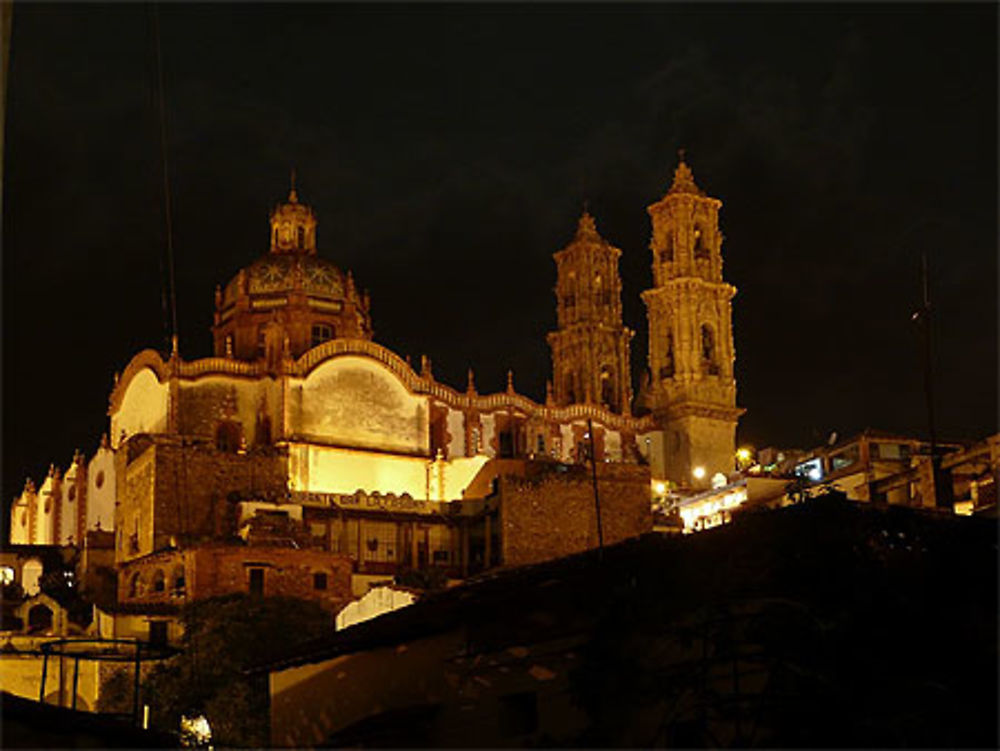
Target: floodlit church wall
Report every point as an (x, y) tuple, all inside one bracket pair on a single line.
[(489, 428), (134, 523), (356, 401), (143, 408), (652, 448), (459, 473), (204, 404), (566, 442), (21, 516), (48, 497), (613, 445), (101, 490), (456, 431), (327, 469), (71, 495)]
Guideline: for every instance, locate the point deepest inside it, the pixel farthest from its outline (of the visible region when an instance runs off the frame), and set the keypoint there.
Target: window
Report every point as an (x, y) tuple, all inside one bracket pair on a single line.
[(302, 237), (133, 585), (667, 254), (72, 493), (39, 619), (895, 451), (260, 342), (700, 248), (607, 387), (845, 458), (541, 444), (441, 556), (378, 541), (256, 582), (178, 580), (667, 369), (275, 235), (159, 581), (321, 332), (99, 480), (708, 361), (158, 633), (319, 581)]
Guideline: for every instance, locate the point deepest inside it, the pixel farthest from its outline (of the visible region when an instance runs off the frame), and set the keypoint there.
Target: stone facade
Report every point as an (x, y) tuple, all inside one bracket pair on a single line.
[(691, 350), (553, 514), (175, 576), (590, 350), (175, 492)]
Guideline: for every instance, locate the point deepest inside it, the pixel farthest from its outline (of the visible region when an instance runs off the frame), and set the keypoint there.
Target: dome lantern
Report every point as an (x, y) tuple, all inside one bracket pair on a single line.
[(293, 226)]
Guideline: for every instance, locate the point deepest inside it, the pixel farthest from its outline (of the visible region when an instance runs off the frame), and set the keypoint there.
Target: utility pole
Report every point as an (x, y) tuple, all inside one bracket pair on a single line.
[(942, 489)]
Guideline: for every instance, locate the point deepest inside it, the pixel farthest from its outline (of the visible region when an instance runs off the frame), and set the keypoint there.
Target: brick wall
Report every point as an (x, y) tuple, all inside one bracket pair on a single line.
[(553, 514)]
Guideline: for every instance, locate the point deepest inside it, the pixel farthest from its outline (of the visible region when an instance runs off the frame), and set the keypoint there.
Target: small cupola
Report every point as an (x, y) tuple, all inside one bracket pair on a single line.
[(293, 226)]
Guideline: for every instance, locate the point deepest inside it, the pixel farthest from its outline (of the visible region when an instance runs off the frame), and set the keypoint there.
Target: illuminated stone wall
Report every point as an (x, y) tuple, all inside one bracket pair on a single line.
[(355, 401), (178, 576), (167, 490), (142, 409), (555, 515)]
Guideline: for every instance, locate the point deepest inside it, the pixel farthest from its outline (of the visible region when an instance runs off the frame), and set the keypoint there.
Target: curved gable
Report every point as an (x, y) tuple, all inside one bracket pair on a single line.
[(142, 407), (354, 400)]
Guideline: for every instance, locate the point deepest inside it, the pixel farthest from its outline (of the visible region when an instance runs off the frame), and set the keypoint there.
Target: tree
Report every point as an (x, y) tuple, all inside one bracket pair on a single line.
[(222, 637)]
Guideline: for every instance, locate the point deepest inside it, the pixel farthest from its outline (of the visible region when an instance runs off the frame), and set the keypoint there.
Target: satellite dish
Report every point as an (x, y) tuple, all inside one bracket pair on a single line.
[(832, 439)]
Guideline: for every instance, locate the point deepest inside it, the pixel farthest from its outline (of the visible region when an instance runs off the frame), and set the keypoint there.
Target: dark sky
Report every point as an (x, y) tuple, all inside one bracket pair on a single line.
[(448, 150)]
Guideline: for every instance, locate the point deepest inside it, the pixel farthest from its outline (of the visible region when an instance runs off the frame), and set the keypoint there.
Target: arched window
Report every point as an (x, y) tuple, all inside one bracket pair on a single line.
[(39, 619), (607, 387), (667, 369), (177, 581), (134, 585), (159, 581), (667, 253), (700, 244), (570, 390), (709, 363), (275, 235), (302, 237)]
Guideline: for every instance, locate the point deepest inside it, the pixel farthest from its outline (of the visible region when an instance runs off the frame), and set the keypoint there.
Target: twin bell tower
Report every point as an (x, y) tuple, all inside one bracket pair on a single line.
[(691, 388)]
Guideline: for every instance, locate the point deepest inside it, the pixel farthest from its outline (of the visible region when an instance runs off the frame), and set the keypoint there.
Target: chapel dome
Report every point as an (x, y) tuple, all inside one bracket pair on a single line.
[(308, 296)]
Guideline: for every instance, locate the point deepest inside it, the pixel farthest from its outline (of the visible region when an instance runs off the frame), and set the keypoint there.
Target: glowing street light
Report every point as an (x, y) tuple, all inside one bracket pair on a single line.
[(698, 472)]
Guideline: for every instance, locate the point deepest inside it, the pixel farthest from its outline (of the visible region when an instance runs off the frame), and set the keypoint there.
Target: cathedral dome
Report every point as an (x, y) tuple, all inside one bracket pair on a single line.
[(308, 296)]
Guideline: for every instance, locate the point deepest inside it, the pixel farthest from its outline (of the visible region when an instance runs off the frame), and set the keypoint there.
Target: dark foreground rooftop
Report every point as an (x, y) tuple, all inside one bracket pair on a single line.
[(31, 724), (825, 624)]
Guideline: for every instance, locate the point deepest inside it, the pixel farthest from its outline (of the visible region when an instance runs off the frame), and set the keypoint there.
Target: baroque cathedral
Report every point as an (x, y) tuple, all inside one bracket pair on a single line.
[(328, 456)]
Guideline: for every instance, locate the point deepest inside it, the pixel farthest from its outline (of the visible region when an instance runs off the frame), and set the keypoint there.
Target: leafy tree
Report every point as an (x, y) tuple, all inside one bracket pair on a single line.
[(222, 637)]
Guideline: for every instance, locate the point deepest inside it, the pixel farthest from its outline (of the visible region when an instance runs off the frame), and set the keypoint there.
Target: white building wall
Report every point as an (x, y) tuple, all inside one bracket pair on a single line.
[(456, 429), (489, 430), (45, 525), (101, 490)]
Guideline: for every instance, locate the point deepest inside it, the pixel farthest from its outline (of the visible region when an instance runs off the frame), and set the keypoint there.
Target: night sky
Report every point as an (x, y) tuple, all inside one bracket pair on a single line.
[(448, 151)]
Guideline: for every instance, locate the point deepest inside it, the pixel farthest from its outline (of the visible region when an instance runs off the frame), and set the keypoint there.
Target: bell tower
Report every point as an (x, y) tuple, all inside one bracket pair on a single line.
[(590, 349), (691, 353)]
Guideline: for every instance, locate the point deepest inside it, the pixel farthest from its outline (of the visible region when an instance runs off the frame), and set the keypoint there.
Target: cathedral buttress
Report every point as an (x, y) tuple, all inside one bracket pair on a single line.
[(590, 349), (691, 352)]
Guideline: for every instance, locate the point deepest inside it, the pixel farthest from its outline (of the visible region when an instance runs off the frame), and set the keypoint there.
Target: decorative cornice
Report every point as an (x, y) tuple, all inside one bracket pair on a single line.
[(415, 383)]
